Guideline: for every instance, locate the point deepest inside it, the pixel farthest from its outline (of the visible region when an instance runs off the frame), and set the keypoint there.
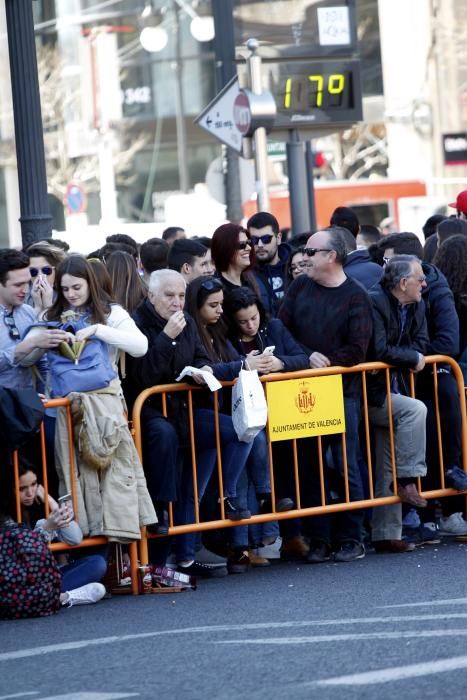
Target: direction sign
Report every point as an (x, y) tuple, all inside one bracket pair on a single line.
[(218, 117)]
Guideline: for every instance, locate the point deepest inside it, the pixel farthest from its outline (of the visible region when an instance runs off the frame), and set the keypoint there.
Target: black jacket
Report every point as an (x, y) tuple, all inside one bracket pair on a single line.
[(165, 358), (441, 315), (360, 267), (391, 344), (286, 349), (271, 280)]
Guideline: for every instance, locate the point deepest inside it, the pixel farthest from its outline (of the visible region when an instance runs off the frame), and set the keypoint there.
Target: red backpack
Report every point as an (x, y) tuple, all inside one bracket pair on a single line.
[(30, 579)]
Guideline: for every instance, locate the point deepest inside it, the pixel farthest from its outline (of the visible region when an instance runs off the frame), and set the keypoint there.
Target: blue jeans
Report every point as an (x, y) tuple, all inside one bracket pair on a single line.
[(234, 457), (82, 571), (254, 480), (348, 524)]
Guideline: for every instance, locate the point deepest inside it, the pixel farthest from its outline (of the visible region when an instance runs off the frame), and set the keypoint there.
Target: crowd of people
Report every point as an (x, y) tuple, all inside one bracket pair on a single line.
[(102, 328)]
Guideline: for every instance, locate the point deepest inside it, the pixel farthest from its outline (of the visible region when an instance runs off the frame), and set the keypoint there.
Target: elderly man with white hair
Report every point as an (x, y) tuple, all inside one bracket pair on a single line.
[(174, 343)]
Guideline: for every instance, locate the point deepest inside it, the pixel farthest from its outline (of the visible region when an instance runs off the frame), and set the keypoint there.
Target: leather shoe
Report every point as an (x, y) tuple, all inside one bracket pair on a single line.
[(393, 546), (409, 494), (162, 525)]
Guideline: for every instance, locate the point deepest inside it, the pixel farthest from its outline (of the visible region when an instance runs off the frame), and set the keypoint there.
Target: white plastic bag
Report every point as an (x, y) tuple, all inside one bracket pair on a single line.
[(249, 408)]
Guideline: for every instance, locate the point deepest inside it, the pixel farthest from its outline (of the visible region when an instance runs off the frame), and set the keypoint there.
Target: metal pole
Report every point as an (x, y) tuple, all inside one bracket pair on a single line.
[(259, 137), (310, 162), (224, 47), (298, 191), (182, 153), (36, 222)]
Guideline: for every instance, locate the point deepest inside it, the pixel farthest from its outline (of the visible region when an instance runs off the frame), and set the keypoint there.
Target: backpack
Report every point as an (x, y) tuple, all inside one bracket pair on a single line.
[(21, 413), (30, 580)]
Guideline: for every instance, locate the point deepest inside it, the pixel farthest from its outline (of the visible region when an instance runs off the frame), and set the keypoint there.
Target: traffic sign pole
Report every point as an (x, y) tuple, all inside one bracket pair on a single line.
[(260, 138)]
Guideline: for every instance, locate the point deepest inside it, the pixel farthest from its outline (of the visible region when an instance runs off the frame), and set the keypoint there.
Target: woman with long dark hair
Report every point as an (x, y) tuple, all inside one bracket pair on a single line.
[(204, 303), (451, 259), (127, 286), (234, 257)]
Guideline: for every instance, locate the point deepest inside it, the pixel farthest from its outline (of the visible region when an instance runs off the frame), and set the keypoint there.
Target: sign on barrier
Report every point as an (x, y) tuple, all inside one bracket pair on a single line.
[(307, 407)]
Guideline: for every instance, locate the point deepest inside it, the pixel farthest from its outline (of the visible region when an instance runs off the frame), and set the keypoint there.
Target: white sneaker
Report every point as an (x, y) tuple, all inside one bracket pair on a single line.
[(453, 525), (271, 551), (85, 595)]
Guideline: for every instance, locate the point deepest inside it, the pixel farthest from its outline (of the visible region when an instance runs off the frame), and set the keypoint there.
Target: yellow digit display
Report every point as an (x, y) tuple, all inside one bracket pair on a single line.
[(336, 83), (319, 80), (288, 91)]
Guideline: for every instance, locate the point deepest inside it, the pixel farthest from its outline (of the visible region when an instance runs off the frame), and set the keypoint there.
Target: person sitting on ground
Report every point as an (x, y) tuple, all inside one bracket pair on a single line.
[(400, 338), (189, 258), (81, 577)]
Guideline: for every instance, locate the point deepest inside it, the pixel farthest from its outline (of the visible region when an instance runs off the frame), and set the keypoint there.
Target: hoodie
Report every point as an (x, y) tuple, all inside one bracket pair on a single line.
[(271, 280)]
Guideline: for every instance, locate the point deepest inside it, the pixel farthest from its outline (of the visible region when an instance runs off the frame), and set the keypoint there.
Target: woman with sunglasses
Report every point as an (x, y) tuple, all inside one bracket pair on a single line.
[(204, 301), (44, 258), (234, 257)]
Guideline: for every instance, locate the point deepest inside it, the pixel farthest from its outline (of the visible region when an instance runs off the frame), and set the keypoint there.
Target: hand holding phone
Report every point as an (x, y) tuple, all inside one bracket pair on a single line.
[(65, 503)]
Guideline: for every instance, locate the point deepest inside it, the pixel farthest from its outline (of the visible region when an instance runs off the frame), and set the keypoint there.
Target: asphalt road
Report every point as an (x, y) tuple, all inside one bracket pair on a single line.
[(381, 627)]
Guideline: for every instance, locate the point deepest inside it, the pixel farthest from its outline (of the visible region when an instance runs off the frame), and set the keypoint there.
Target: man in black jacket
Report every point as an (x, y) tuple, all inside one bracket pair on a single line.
[(174, 343), (400, 338), (443, 330)]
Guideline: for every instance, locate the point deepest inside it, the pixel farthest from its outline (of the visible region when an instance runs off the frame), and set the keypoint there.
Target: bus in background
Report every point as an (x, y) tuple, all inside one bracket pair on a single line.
[(372, 201)]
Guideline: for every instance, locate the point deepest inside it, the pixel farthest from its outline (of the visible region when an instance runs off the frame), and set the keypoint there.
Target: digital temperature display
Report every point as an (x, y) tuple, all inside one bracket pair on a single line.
[(315, 92)]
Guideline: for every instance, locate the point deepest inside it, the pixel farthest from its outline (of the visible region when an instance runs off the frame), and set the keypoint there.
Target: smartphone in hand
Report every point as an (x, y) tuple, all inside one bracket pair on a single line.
[(66, 503), (269, 350)]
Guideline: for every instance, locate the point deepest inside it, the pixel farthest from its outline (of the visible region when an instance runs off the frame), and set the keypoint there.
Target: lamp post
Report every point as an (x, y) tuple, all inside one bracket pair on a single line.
[(35, 220)]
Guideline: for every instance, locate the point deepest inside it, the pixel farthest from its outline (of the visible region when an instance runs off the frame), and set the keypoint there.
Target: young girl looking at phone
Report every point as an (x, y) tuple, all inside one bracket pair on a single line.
[(80, 577)]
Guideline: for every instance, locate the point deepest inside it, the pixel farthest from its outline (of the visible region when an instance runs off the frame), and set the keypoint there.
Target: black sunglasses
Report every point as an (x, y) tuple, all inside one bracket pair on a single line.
[(312, 251), (11, 325), (241, 245), (267, 238), (212, 285), (47, 270)]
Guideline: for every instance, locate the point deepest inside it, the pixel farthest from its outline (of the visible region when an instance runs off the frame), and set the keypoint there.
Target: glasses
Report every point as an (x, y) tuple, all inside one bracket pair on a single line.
[(242, 245), (310, 252), (418, 279), (47, 270), (297, 266), (386, 260), (11, 325), (267, 238), (211, 285)]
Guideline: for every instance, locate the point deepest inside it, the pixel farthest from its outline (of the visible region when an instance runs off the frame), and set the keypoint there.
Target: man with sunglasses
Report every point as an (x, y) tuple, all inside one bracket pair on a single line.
[(271, 256), (330, 315), (17, 355)]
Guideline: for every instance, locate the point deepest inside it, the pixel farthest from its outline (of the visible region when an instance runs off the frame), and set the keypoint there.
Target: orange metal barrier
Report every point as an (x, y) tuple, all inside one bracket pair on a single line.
[(324, 508), (87, 541)]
